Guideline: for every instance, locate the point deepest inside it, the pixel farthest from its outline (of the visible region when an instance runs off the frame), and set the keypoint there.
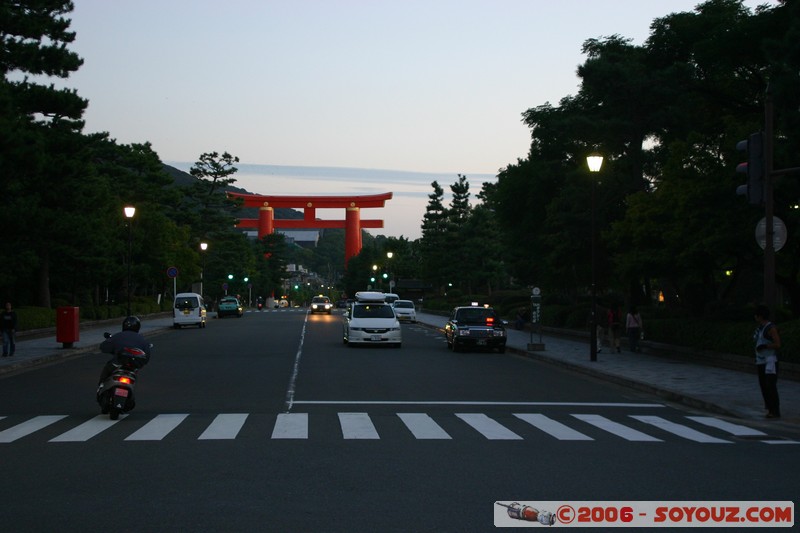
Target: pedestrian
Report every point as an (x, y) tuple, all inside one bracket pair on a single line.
[(768, 342), (597, 325), (519, 323), (633, 324), (614, 323), (8, 322), (601, 329)]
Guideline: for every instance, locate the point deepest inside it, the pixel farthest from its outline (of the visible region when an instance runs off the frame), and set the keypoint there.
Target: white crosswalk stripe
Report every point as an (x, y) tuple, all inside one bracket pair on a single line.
[(552, 427), (26, 428), (291, 426), (421, 426), (678, 429), (88, 429), (158, 428), (616, 428), (488, 427), (224, 427), (357, 426)]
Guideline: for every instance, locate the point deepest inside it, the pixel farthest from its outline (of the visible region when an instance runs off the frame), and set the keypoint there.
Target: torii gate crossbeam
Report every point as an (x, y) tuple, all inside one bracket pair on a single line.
[(352, 224)]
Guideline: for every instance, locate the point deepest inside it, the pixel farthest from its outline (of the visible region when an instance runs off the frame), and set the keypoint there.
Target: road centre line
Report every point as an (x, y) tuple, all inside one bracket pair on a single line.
[(295, 368)]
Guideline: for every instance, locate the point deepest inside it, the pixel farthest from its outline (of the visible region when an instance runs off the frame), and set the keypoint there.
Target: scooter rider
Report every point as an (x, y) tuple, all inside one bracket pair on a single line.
[(129, 337)]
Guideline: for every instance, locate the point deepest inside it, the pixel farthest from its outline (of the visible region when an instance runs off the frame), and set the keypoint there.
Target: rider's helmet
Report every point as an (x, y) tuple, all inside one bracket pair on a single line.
[(131, 323)]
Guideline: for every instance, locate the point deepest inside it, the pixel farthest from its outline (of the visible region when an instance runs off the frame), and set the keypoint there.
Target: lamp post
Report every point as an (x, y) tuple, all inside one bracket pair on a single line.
[(203, 248), (392, 283), (129, 212), (595, 161)]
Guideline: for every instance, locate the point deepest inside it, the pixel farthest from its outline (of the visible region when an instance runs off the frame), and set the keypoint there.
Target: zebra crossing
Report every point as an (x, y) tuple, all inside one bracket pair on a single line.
[(359, 426)]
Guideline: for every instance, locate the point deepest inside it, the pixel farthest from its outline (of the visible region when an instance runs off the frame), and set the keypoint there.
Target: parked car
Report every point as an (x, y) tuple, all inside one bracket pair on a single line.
[(321, 304), (475, 327), (370, 320), (230, 306), (405, 311)]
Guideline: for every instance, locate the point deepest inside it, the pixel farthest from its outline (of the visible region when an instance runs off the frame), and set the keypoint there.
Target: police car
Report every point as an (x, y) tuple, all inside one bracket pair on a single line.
[(370, 320)]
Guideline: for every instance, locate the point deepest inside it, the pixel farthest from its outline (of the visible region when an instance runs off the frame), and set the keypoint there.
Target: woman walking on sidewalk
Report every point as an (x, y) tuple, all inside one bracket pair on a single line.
[(633, 323), (768, 342)]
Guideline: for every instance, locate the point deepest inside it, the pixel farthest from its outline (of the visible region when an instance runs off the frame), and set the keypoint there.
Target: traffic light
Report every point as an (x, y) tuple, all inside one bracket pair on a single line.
[(754, 168)]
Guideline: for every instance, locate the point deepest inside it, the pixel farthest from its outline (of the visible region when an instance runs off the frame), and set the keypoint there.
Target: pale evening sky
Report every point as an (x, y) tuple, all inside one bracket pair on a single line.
[(433, 88)]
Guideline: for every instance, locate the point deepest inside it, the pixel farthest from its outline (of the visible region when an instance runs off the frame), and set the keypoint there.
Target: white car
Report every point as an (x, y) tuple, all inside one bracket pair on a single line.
[(370, 320), (404, 309), (321, 304)]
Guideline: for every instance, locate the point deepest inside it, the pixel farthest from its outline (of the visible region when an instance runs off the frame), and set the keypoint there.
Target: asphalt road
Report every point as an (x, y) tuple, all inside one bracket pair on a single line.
[(271, 423)]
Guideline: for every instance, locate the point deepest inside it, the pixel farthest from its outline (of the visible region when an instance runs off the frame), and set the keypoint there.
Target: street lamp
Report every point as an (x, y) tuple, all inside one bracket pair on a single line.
[(595, 162), (203, 248), (129, 212)]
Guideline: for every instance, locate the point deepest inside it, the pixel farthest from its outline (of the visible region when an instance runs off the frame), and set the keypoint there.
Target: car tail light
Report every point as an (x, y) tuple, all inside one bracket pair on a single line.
[(490, 321), (124, 379)]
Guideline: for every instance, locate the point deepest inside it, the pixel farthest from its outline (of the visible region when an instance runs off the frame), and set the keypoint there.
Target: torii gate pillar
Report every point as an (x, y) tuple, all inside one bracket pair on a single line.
[(266, 221), (352, 233)]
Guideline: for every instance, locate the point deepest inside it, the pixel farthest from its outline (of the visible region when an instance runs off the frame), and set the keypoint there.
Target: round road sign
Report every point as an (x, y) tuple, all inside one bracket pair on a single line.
[(778, 233)]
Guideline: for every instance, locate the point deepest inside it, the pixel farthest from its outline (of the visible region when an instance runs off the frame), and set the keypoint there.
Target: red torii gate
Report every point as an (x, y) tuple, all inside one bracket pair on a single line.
[(352, 224)]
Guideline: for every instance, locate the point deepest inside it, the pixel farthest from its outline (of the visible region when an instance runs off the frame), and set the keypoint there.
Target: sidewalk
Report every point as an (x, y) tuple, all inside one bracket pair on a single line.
[(726, 392), (723, 391), (39, 350)]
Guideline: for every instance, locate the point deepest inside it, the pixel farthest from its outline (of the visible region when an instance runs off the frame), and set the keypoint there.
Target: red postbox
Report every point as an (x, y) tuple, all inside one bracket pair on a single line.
[(68, 325)]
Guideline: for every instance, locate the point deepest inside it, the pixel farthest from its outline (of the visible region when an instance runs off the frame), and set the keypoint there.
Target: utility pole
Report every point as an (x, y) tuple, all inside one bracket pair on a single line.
[(769, 206)]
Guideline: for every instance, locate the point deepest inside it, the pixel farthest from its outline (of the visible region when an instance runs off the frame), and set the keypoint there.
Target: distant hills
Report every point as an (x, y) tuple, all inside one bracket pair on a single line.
[(184, 179)]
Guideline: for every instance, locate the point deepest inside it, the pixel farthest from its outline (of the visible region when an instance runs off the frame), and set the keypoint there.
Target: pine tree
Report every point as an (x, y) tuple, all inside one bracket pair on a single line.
[(42, 162), (434, 232)]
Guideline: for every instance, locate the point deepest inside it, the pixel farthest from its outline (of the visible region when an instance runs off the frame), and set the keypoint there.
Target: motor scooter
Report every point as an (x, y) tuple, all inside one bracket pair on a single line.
[(116, 393)]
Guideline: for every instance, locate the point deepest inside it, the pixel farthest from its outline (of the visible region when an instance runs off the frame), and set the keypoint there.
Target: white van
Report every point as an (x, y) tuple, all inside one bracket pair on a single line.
[(390, 297), (189, 310)]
